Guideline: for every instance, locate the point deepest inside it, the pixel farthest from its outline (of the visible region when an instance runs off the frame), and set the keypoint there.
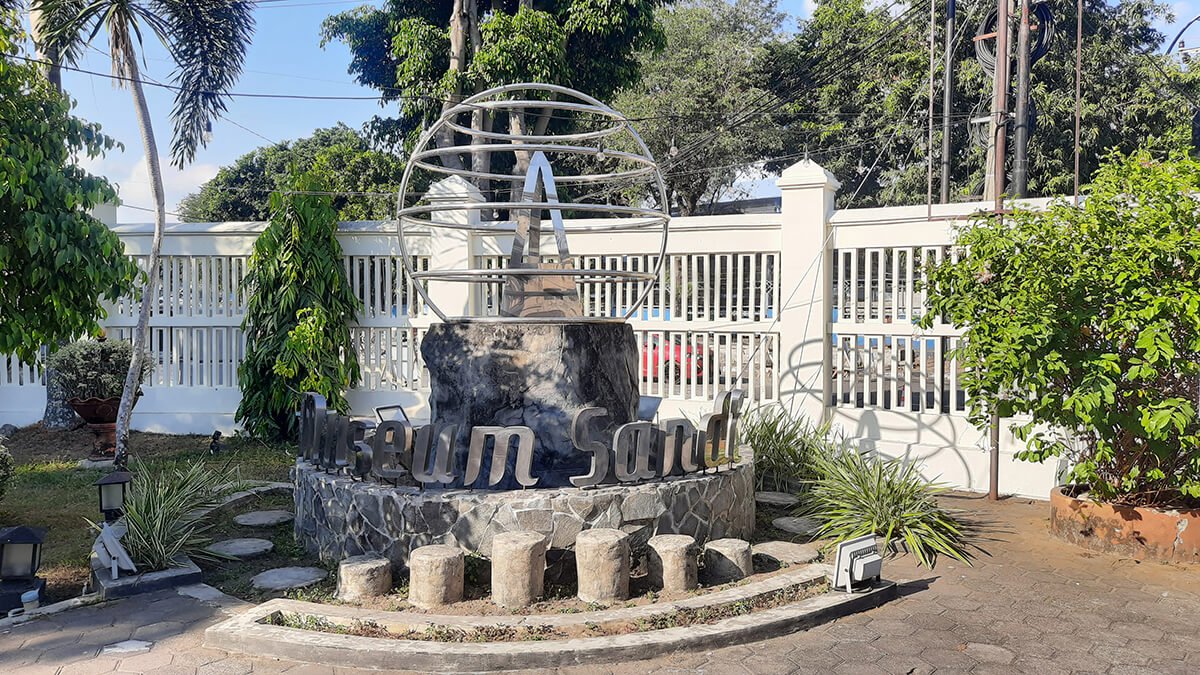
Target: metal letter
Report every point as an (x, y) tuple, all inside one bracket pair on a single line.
[(391, 451), (733, 408), (439, 449), (312, 424), (677, 454), (358, 451), (502, 442), (330, 441), (583, 441), (635, 438)]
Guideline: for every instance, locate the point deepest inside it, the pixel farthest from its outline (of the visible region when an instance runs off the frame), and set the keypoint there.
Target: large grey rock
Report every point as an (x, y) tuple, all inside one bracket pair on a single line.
[(363, 576), (263, 518), (786, 552), (7, 430), (435, 576), (242, 548), (602, 565), (287, 578), (802, 526), (781, 500), (518, 568), (672, 562), (535, 375), (727, 560)]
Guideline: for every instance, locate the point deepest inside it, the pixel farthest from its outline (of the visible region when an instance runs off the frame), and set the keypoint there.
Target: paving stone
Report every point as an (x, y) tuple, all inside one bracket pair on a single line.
[(787, 552), (264, 518), (801, 526), (127, 647), (148, 662), (781, 500), (988, 653), (285, 578), (242, 548)]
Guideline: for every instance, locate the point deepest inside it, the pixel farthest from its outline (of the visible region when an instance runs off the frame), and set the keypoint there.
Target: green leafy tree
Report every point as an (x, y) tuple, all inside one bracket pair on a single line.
[(857, 79), (207, 40), (298, 314), (428, 55), (1087, 319), (242, 190), (690, 89), (57, 262)]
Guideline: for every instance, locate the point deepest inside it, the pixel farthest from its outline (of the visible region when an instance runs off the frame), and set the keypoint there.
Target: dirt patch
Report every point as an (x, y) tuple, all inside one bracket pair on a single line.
[(35, 444)]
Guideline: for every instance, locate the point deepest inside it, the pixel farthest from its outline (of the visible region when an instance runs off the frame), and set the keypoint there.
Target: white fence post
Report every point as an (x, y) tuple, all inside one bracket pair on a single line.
[(450, 249), (808, 192)]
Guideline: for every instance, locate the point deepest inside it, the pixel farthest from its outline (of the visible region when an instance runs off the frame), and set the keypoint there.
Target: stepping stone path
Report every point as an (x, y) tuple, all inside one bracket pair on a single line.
[(285, 578), (264, 518), (805, 527), (243, 548), (787, 552), (780, 500)]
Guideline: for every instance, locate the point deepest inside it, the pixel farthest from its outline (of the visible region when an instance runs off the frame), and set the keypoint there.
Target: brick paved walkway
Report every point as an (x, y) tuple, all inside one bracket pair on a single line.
[(1034, 605)]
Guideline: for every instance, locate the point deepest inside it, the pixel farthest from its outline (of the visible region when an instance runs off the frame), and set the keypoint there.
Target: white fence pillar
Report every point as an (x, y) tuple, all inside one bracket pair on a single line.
[(450, 249), (806, 280)]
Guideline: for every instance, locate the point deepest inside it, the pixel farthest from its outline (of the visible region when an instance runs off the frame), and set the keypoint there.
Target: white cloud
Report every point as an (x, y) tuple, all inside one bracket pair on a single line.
[(133, 183), (177, 184)]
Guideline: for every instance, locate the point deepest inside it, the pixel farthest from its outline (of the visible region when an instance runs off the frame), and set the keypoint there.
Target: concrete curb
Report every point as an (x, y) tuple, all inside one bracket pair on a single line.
[(246, 633)]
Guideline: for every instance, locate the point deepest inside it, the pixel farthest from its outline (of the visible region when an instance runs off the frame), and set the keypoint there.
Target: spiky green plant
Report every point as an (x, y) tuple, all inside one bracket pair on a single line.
[(785, 446), (857, 494), (164, 511)]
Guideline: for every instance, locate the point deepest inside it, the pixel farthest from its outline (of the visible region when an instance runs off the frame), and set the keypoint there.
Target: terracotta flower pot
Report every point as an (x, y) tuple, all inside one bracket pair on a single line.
[(100, 417), (1139, 532)]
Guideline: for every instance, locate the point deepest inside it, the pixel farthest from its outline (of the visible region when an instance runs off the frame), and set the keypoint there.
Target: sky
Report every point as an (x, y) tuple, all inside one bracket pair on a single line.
[(284, 58)]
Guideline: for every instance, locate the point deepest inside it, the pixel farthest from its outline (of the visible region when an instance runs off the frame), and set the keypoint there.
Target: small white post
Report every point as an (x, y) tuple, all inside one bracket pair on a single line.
[(806, 281), (450, 249)]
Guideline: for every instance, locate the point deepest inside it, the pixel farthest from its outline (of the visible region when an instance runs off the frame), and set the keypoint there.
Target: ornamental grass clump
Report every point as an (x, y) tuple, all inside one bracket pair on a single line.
[(1086, 321), (164, 512), (857, 494), (785, 446)]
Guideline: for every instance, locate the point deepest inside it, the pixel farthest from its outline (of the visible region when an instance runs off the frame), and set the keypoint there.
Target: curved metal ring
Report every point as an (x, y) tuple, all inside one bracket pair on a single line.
[(592, 178), (593, 106), (500, 273)]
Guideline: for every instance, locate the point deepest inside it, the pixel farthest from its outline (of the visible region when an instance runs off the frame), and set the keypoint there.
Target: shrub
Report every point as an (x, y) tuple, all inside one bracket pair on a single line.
[(161, 511), (298, 315), (785, 447), (1087, 320), (857, 495), (95, 368), (7, 468)]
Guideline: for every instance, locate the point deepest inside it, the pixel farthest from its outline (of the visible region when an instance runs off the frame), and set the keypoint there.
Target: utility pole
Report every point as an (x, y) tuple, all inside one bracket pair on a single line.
[(1020, 182), (947, 102), (1000, 128)]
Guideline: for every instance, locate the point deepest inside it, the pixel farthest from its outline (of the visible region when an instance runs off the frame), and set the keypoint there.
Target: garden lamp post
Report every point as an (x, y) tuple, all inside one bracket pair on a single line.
[(20, 557), (113, 488)]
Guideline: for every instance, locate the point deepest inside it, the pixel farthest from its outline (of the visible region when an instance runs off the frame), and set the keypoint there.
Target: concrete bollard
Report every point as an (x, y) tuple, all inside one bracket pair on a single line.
[(672, 562), (518, 568), (363, 576), (727, 560), (602, 565), (435, 576)]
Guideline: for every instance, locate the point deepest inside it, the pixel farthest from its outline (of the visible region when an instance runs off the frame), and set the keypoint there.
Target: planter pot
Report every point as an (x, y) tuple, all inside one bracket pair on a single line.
[(100, 416), (1140, 532)]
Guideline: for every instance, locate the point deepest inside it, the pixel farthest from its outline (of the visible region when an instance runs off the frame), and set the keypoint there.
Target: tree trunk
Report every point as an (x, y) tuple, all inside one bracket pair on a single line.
[(150, 290), (459, 27), (57, 415)]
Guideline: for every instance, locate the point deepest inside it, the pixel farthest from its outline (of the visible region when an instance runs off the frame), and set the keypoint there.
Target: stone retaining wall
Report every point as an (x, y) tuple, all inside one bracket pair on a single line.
[(337, 517)]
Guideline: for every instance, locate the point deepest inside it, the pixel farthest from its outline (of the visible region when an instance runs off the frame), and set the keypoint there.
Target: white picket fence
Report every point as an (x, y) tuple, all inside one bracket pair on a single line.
[(811, 308)]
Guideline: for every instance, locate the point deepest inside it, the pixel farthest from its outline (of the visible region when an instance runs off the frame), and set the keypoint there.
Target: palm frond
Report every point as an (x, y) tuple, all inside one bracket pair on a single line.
[(209, 39)]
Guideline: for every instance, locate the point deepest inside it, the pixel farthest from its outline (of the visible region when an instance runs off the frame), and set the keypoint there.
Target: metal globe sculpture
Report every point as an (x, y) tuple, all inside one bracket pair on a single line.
[(550, 149)]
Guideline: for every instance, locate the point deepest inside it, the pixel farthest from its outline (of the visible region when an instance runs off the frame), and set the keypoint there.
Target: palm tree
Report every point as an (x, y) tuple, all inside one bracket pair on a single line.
[(207, 39)]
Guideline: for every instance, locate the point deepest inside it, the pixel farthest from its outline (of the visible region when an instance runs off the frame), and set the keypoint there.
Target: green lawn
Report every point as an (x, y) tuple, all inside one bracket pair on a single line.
[(50, 491)]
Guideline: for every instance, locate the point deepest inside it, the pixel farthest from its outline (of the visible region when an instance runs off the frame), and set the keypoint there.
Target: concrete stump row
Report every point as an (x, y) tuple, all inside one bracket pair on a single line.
[(602, 560), (363, 576)]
